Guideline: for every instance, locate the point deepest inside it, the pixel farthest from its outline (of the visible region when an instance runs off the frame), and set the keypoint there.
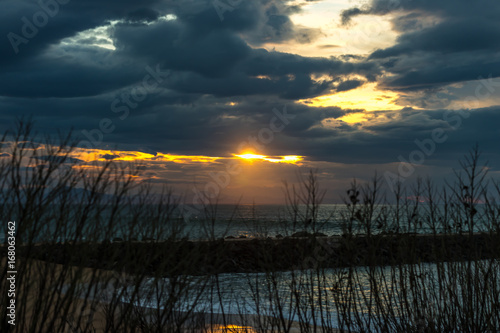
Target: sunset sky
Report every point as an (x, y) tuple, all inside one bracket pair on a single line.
[(245, 94)]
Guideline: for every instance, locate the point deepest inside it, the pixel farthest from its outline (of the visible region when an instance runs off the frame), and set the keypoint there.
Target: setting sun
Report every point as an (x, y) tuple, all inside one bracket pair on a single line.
[(290, 159), (249, 156)]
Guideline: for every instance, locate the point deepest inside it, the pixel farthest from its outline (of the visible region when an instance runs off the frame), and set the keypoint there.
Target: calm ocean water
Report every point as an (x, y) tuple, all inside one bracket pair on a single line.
[(272, 220), (242, 221)]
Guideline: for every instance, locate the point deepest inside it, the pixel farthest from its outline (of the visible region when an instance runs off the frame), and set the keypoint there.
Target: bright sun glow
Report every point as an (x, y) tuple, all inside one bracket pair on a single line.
[(248, 156), (251, 157)]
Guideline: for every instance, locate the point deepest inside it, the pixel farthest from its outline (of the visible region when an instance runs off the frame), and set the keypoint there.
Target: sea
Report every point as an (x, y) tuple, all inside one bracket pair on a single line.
[(243, 221)]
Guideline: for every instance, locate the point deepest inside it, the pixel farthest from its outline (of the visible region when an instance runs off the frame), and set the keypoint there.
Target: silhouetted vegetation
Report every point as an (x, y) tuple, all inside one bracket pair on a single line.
[(99, 252)]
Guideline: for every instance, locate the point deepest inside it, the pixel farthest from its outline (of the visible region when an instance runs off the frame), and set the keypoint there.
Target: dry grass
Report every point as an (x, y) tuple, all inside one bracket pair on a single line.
[(55, 201)]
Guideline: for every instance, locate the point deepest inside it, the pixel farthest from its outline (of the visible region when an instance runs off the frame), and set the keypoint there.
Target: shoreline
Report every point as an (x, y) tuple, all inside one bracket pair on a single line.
[(91, 309), (244, 255)]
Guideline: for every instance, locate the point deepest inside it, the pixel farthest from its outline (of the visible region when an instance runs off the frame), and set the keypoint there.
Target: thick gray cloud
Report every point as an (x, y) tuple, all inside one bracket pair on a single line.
[(43, 25), (440, 42), (196, 43)]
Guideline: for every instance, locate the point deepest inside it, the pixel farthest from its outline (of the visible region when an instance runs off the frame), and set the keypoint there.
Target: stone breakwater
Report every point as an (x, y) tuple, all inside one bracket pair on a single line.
[(167, 258)]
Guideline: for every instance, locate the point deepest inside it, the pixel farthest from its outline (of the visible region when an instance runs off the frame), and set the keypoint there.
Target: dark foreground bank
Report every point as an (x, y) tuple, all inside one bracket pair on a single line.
[(259, 255)]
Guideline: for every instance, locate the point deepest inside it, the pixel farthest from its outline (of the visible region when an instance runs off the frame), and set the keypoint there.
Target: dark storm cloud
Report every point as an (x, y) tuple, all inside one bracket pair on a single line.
[(384, 142), (196, 43), (31, 72), (475, 35), (63, 19), (298, 87), (349, 85), (143, 14), (351, 12), (278, 27), (210, 53), (223, 85), (260, 21), (218, 130), (225, 62), (442, 73), (262, 62), (203, 15), (441, 42), (55, 78), (443, 8)]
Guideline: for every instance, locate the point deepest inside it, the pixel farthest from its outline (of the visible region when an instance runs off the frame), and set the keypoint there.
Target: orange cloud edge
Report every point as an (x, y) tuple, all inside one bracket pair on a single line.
[(132, 156)]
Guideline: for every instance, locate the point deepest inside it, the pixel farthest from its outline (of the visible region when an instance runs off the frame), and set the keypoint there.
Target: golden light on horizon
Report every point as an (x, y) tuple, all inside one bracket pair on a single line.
[(131, 156), (232, 329), (251, 157), (89, 156)]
